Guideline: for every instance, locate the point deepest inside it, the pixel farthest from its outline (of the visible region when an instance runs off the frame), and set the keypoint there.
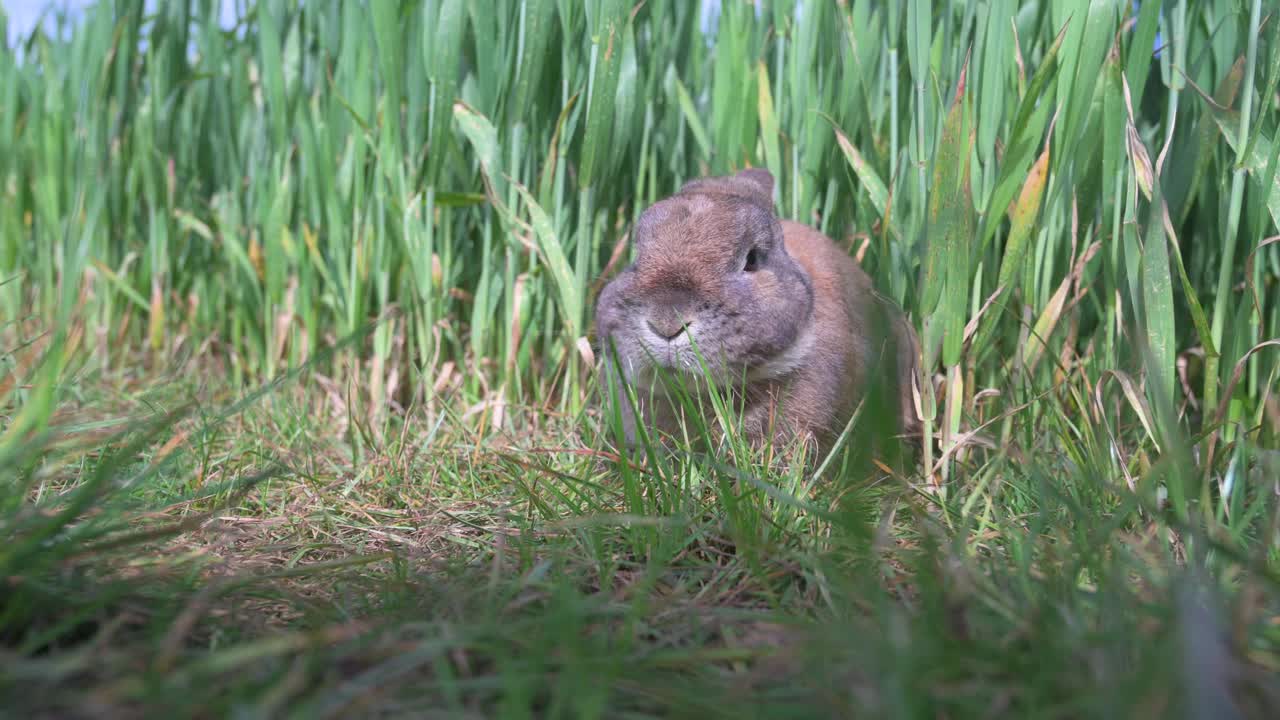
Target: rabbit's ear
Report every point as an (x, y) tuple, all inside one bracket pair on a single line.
[(760, 180), (753, 184)]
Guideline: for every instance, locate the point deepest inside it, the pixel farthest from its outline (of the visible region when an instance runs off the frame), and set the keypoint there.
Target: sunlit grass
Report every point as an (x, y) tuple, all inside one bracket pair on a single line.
[(297, 388)]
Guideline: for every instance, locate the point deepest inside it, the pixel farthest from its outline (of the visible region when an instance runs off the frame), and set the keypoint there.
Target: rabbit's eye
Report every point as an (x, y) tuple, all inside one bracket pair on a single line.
[(754, 258)]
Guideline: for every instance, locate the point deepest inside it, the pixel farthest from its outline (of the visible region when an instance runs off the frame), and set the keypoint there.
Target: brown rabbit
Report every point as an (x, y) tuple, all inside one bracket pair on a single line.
[(780, 315)]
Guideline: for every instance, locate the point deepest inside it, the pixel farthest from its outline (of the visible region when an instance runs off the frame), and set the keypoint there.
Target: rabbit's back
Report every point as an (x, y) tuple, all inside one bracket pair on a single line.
[(863, 340)]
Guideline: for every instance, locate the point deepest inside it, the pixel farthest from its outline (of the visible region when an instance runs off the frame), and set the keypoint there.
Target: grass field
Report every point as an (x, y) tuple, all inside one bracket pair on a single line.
[(297, 408)]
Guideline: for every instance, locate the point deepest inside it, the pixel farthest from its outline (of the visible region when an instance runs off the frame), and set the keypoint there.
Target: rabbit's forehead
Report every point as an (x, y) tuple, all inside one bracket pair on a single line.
[(703, 220), (719, 213)]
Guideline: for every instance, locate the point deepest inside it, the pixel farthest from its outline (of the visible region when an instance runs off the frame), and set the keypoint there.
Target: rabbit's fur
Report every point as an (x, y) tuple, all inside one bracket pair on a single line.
[(782, 317)]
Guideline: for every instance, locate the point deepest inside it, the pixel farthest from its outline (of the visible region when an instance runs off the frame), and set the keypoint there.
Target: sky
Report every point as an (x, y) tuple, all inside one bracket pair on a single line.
[(23, 14)]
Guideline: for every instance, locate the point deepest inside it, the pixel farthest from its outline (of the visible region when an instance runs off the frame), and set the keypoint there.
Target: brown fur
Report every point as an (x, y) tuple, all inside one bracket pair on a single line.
[(798, 319)]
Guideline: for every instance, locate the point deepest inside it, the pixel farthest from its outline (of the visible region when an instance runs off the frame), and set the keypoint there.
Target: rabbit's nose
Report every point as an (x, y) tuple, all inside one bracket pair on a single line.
[(667, 325)]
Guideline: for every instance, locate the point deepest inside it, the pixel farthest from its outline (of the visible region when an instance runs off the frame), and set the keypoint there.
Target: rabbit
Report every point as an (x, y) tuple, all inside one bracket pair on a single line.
[(779, 314)]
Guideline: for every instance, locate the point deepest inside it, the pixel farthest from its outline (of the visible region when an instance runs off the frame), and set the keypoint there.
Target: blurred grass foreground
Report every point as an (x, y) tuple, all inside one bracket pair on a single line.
[(296, 369)]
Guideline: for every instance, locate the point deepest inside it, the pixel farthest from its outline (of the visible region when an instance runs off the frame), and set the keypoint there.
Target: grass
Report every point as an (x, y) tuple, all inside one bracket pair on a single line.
[(297, 394)]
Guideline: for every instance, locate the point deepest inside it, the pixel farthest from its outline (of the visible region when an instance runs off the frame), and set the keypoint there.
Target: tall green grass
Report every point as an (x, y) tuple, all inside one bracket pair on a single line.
[(283, 182), (1076, 203)]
